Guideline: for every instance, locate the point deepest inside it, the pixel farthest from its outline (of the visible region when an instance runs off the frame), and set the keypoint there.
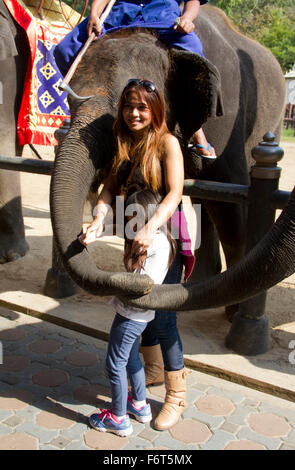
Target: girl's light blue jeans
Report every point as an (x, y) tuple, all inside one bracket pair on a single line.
[(122, 358)]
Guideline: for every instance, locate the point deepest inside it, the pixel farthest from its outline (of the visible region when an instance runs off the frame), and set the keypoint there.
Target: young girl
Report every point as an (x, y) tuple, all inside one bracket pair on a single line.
[(129, 323)]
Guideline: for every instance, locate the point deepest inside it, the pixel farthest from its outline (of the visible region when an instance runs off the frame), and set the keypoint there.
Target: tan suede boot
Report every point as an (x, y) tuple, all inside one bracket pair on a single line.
[(154, 365), (175, 403)]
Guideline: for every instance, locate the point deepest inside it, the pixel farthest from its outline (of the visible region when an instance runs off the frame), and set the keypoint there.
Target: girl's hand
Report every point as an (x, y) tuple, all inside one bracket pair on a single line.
[(184, 25), (94, 25), (93, 231)]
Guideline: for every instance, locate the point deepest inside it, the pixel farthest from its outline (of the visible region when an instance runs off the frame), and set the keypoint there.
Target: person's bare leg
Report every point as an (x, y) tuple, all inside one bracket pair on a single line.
[(200, 138)]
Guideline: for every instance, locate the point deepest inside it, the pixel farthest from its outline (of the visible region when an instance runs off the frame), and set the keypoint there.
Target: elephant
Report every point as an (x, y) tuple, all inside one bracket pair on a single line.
[(236, 93), (14, 55)]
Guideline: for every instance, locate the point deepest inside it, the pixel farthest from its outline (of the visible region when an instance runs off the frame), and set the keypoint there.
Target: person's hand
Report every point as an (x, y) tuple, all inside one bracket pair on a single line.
[(183, 25), (93, 231), (142, 241), (94, 25)]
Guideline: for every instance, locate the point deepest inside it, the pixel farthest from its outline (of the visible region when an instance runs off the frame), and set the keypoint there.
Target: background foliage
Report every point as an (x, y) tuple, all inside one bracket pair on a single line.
[(271, 22)]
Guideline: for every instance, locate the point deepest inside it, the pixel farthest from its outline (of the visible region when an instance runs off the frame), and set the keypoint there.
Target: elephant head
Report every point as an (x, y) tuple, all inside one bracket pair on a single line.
[(191, 96)]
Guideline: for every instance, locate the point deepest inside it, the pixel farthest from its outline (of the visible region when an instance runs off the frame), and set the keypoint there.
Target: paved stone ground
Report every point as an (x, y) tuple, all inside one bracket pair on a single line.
[(52, 379)]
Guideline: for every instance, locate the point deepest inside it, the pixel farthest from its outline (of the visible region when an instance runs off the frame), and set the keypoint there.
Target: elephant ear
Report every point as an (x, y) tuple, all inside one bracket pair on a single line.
[(7, 44), (194, 89)]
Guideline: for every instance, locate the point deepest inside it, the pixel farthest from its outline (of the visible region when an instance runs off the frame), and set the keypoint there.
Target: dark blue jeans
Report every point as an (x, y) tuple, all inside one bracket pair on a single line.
[(123, 357), (163, 329)]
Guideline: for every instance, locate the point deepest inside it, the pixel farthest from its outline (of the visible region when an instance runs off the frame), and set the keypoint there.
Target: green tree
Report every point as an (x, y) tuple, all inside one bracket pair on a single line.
[(79, 5), (271, 22)]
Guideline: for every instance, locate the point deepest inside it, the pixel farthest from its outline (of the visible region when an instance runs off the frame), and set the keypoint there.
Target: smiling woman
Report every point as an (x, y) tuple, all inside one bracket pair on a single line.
[(140, 129), (148, 157), (137, 114)]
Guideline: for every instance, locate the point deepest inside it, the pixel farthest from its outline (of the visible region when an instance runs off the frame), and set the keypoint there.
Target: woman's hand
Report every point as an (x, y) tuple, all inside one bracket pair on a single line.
[(184, 25), (93, 231)]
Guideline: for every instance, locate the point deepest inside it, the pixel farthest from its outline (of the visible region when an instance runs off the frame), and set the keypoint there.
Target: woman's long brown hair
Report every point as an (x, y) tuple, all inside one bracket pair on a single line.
[(148, 149)]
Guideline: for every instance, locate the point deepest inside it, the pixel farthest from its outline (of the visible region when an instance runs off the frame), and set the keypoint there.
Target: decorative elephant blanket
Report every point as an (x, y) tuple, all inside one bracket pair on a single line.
[(44, 107)]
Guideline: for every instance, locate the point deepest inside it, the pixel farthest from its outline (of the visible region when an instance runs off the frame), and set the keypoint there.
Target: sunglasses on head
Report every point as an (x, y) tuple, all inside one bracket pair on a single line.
[(147, 85)]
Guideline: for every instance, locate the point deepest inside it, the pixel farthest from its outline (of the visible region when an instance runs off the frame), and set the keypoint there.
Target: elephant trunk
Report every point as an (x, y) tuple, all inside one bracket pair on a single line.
[(269, 262), (73, 174)]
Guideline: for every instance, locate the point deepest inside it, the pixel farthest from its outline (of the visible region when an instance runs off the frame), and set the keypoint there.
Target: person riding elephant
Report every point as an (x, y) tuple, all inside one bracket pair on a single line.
[(171, 26)]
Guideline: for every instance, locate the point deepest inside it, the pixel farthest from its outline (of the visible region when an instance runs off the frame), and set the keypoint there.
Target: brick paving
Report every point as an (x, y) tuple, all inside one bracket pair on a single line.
[(52, 379)]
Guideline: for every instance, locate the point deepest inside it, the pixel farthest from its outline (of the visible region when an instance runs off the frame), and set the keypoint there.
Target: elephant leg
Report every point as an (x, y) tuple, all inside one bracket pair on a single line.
[(208, 260), (12, 233), (58, 283), (232, 255), (230, 223)]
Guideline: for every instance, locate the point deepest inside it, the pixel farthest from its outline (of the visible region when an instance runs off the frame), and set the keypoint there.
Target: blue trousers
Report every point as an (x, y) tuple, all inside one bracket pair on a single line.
[(122, 358), (66, 51), (163, 329)]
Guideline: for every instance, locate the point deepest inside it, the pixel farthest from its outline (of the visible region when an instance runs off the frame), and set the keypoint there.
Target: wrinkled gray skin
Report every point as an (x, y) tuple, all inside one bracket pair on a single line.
[(13, 59), (252, 88)]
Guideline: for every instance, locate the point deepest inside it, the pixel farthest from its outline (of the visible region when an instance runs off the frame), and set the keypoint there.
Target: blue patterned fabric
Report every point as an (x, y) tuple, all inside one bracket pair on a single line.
[(51, 100)]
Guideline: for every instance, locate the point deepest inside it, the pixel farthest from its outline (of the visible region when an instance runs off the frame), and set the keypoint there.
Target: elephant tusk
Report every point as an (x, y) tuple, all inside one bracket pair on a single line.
[(65, 87)]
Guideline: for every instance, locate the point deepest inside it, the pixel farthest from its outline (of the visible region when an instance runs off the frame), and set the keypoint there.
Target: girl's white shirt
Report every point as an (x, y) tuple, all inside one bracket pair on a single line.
[(156, 266)]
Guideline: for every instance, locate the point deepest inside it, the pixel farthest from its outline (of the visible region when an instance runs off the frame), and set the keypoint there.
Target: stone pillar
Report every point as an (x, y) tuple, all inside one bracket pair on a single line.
[(249, 333)]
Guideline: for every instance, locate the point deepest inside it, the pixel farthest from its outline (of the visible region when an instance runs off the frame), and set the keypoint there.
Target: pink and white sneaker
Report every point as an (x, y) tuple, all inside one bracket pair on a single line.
[(142, 414), (105, 421)]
